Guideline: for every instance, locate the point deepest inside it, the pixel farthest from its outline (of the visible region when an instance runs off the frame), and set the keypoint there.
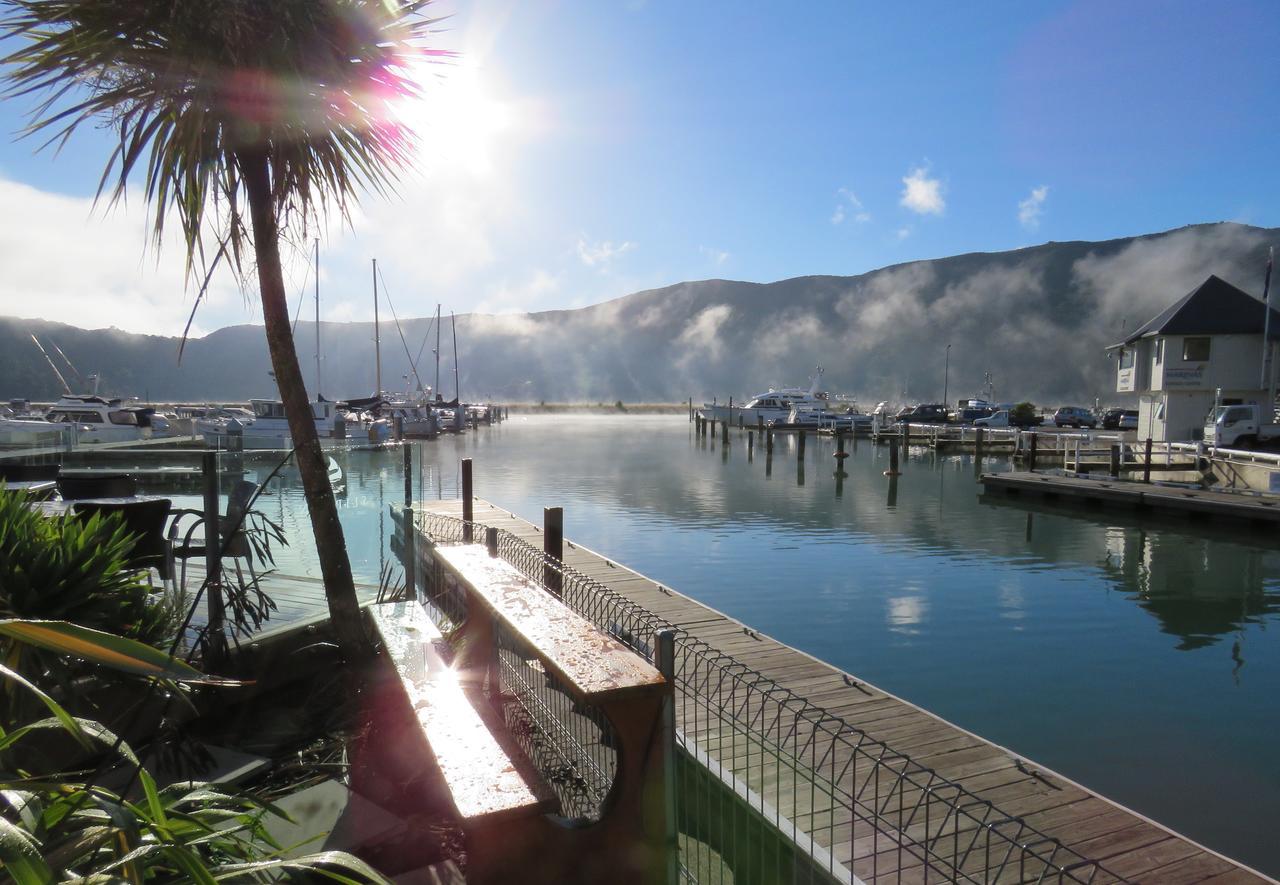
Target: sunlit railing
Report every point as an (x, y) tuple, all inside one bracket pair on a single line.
[(770, 787)]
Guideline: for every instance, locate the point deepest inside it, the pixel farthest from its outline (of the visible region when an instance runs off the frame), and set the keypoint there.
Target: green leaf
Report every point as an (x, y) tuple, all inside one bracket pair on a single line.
[(316, 864), (68, 721), (21, 856), (107, 649)]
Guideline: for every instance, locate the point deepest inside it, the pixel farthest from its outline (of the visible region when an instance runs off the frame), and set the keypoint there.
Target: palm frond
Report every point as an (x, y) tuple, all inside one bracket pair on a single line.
[(187, 85)]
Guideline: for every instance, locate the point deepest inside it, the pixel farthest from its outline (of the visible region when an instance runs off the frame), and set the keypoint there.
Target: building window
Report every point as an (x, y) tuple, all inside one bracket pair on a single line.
[(1126, 357), (1159, 351), (1195, 350)]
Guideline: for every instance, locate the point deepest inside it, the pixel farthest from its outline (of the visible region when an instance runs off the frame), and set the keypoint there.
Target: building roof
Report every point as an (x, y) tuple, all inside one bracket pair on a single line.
[(1215, 307)]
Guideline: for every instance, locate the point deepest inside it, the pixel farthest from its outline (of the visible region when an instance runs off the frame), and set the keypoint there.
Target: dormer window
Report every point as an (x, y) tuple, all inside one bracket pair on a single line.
[(1195, 350)]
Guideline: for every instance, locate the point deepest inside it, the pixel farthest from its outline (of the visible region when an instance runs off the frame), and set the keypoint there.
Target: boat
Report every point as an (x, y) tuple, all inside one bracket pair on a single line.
[(89, 419), (337, 481), (805, 417), (773, 405), (269, 428)]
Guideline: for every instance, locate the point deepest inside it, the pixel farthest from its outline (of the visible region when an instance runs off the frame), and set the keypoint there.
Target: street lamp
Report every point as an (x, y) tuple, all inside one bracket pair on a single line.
[(946, 375)]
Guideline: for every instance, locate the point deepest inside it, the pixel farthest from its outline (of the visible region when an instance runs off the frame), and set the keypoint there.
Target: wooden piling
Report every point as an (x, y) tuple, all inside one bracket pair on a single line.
[(768, 443), (800, 446), (467, 500), (553, 546), (893, 458), (1146, 463), (724, 432), (977, 443), (751, 443), (1031, 454), (1115, 461), (760, 424), (906, 435)]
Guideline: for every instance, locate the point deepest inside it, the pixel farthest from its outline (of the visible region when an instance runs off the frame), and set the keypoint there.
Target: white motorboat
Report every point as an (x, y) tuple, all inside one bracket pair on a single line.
[(774, 405), (87, 419), (269, 428), (804, 417)]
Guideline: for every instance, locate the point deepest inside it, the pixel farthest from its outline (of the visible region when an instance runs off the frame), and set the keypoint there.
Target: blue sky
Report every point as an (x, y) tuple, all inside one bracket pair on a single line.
[(584, 150)]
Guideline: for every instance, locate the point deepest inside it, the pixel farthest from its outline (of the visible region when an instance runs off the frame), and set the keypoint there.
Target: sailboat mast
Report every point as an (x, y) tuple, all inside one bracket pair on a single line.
[(377, 335), (437, 350), (317, 319), (457, 391)]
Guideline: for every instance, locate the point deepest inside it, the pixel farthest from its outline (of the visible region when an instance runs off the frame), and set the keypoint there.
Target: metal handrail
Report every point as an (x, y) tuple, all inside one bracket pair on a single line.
[(853, 782)]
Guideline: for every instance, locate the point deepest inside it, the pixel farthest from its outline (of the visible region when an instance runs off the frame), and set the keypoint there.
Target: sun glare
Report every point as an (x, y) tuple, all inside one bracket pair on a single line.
[(457, 120)]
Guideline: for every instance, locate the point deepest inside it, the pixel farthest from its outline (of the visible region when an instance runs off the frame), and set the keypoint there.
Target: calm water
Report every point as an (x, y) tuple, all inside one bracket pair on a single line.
[(1135, 657)]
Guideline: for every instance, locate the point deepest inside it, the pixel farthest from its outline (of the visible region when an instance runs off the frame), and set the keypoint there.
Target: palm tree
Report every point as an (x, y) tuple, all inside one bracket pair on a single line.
[(285, 106)]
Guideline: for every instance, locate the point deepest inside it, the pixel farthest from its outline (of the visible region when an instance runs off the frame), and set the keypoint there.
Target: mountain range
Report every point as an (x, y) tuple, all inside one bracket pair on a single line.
[(1037, 320)]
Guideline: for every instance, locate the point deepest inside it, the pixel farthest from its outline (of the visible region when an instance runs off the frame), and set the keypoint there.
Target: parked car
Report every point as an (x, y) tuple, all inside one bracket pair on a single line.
[(1128, 420), (931, 413), (1111, 419), (1074, 416)]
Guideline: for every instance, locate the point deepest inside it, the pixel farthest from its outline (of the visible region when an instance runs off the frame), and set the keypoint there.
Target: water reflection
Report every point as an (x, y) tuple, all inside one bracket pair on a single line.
[(1100, 644)]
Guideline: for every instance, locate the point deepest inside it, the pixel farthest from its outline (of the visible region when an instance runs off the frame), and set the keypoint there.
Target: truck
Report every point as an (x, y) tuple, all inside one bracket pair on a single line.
[(1241, 426)]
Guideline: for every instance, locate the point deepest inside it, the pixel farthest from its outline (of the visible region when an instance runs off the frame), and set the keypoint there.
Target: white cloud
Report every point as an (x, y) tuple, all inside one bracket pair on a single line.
[(67, 262), (849, 198), (902, 233), (922, 194), (718, 256), (603, 253), (1030, 209)]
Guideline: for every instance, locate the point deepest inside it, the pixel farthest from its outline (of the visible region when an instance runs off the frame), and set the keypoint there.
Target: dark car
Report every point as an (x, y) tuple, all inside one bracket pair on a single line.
[(932, 413)]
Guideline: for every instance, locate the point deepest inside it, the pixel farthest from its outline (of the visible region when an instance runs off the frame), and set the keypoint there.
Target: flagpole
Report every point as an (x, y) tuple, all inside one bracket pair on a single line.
[(1268, 377)]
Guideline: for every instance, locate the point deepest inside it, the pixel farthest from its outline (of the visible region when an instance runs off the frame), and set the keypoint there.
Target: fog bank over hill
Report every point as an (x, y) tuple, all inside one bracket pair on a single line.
[(1037, 319)]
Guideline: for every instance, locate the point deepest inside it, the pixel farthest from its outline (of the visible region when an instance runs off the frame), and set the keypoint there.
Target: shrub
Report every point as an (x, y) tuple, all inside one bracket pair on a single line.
[(1023, 413), (68, 569)]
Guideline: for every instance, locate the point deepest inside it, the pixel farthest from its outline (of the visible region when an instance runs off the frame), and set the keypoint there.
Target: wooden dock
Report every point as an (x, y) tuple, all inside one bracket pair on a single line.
[(1204, 503), (1128, 846), (299, 599)]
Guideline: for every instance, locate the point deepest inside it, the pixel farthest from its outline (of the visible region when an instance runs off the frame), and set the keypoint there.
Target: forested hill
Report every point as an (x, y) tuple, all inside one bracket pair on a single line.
[(1037, 319)]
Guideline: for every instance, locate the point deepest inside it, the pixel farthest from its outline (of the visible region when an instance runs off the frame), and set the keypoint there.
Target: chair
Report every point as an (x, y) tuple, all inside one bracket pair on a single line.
[(144, 518), (234, 545), (28, 472), (75, 487)]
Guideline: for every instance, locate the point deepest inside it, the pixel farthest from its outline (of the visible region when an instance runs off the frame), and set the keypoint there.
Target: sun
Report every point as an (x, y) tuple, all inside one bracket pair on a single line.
[(458, 122)]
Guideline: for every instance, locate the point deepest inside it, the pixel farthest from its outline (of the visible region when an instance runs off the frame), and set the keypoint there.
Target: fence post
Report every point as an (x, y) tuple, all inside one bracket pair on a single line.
[(1146, 462), (408, 475), (553, 546), (410, 551), (491, 540), (466, 500), (215, 636), (665, 660)]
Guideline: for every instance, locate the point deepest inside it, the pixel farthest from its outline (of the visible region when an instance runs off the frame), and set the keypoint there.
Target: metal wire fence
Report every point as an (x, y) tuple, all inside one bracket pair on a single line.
[(770, 787)]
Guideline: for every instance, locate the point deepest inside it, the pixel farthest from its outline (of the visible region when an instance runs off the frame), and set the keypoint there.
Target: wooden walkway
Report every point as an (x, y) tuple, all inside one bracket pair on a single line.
[(299, 599), (1125, 843), (1129, 494)]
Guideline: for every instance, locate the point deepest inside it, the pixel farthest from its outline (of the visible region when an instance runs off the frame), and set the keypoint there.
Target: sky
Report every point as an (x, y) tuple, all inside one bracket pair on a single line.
[(574, 152)]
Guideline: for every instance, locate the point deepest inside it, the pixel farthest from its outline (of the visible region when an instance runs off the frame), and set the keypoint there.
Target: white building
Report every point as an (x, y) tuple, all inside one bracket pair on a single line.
[(1210, 339)]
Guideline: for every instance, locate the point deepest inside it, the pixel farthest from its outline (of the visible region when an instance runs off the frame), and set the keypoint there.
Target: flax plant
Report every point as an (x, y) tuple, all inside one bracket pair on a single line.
[(246, 120)]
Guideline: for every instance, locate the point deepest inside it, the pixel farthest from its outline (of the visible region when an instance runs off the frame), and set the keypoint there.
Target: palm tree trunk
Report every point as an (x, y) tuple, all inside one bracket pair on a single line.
[(335, 567)]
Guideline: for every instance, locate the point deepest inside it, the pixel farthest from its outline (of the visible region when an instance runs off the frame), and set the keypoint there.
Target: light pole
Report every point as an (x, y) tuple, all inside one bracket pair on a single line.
[(946, 375)]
